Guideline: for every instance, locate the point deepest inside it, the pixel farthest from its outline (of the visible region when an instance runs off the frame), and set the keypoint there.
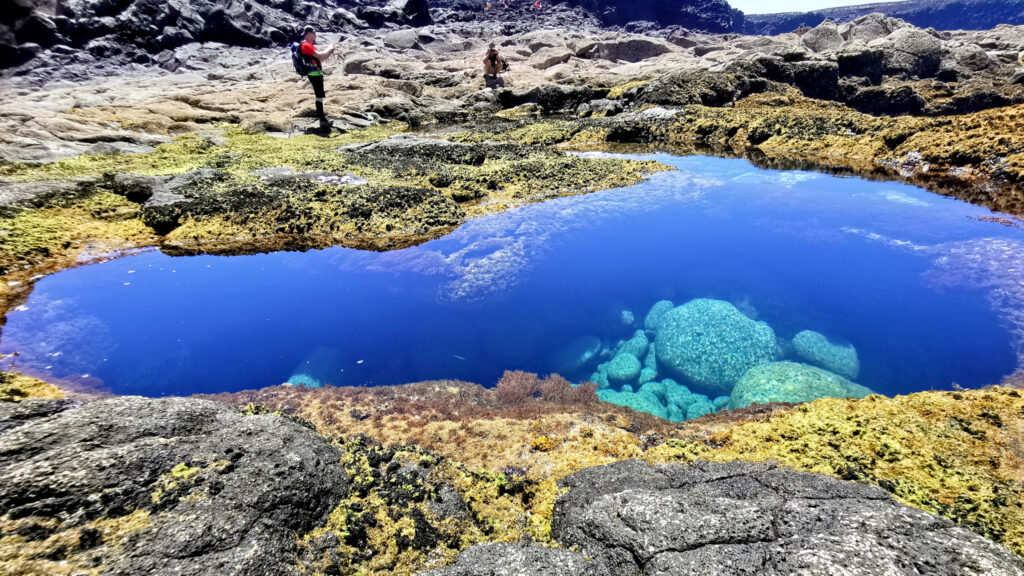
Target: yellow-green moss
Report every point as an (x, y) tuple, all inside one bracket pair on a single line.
[(241, 153), (184, 481), (617, 91), (32, 236), (15, 387), (60, 553)]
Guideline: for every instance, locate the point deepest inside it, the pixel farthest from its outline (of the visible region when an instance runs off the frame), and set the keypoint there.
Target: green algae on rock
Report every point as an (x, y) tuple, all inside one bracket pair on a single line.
[(791, 382), (247, 192), (15, 387)]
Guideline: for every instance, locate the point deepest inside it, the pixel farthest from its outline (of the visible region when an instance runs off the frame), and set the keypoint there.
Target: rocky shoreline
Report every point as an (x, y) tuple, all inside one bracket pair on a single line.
[(408, 479), (201, 140)]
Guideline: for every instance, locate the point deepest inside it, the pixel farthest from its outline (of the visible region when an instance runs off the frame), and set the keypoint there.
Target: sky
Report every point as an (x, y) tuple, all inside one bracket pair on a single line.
[(771, 6)]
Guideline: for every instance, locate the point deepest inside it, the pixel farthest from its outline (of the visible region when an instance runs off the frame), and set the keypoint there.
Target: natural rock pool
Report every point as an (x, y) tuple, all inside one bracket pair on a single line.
[(717, 278)]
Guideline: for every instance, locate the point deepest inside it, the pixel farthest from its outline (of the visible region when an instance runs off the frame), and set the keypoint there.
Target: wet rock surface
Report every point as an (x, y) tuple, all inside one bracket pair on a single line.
[(160, 486)]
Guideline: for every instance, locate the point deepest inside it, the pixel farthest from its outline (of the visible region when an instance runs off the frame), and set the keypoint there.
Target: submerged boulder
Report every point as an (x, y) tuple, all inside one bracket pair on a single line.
[(657, 314), (641, 401), (637, 345), (625, 367), (791, 382), (814, 348), (712, 344)]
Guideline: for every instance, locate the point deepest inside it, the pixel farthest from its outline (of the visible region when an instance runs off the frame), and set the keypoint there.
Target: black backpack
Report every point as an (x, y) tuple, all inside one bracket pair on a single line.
[(298, 60)]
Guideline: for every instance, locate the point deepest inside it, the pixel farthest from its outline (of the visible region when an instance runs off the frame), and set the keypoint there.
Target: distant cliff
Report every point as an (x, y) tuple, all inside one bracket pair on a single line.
[(938, 14)]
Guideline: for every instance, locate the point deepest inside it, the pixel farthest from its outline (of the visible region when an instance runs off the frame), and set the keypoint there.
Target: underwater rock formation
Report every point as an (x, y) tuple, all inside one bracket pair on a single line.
[(656, 315), (791, 382), (624, 368), (172, 485), (711, 344), (816, 349)]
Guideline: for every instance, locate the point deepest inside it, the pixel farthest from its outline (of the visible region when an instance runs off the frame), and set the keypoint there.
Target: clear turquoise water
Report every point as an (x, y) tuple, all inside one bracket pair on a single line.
[(927, 294)]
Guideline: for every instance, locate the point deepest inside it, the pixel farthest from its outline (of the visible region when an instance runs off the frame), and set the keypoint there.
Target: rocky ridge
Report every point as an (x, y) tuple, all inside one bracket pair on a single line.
[(937, 14)]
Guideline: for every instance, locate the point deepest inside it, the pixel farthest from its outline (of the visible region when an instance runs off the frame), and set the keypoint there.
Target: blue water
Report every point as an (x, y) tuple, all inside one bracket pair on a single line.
[(928, 294)]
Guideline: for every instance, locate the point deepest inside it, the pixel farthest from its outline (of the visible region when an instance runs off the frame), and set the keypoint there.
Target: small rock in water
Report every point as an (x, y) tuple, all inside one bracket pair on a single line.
[(637, 345), (627, 317), (576, 355), (657, 313), (816, 349), (624, 368)]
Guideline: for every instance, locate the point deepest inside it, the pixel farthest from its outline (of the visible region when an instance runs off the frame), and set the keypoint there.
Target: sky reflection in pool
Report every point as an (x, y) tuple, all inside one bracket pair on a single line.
[(929, 294)]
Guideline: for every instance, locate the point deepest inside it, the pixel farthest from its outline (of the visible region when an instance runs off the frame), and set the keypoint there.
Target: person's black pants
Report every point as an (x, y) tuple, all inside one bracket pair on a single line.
[(318, 89)]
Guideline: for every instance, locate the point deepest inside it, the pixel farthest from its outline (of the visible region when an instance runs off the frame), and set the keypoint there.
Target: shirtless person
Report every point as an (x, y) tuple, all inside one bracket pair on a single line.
[(493, 63), (314, 63)]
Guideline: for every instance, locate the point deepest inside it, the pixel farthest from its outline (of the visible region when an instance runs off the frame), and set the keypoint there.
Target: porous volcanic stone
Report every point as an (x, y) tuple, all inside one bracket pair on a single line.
[(741, 518), (212, 491)]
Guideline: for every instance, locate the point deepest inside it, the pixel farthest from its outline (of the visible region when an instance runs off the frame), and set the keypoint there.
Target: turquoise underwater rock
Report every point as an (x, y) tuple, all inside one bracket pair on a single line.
[(677, 394), (712, 344), (721, 403), (666, 399), (651, 359), (647, 375), (656, 389), (814, 348), (791, 382), (700, 406), (637, 345), (303, 380), (624, 368), (657, 313), (640, 401)]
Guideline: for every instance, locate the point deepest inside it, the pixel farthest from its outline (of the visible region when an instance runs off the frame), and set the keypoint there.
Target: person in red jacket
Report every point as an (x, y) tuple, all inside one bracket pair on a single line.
[(314, 62)]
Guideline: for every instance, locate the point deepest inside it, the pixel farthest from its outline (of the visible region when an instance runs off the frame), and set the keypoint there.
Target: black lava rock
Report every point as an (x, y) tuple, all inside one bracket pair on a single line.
[(222, 493)]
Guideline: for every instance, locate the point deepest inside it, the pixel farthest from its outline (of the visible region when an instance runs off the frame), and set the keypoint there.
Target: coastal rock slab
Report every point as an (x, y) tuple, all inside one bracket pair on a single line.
[(494, 559), (184, 486), (741, 518)]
